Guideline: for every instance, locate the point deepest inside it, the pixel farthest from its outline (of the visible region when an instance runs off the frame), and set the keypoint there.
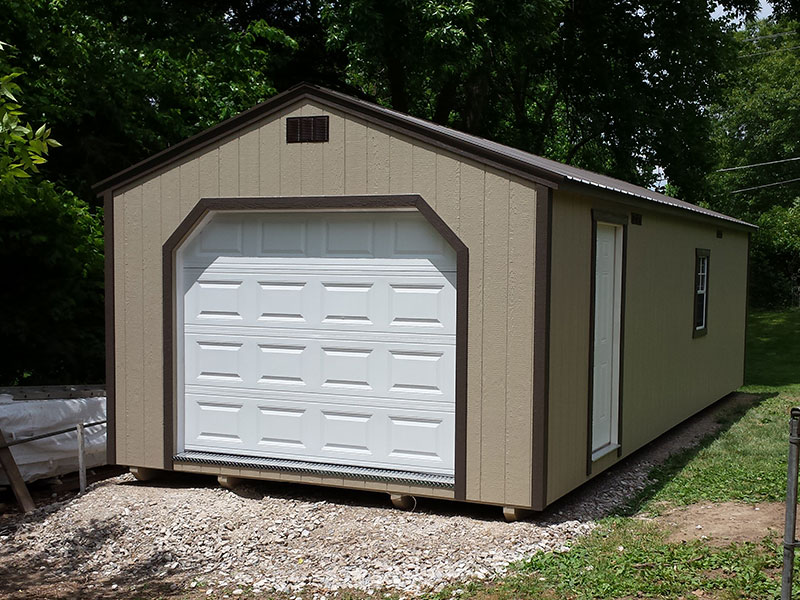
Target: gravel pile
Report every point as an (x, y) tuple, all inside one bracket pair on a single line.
[(269, 536), (121, 529)]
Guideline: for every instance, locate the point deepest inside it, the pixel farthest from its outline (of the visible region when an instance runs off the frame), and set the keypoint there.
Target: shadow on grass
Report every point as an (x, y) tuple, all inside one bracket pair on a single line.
[(626, 487), (738, 405), (772, 345)]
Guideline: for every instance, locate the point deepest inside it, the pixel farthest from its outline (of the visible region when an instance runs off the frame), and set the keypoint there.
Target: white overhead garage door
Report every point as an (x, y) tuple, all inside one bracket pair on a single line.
[(320, 336)]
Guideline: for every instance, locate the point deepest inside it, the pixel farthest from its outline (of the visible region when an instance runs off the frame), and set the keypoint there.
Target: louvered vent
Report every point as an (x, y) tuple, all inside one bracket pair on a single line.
[(306, 129), (636, 219)]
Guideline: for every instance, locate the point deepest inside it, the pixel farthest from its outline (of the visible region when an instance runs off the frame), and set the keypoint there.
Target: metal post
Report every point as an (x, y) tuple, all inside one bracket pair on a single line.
[(81, 458), (789, 541)]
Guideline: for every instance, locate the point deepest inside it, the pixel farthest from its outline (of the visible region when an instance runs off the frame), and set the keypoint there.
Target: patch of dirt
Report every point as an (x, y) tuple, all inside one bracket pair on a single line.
[(724, 523)]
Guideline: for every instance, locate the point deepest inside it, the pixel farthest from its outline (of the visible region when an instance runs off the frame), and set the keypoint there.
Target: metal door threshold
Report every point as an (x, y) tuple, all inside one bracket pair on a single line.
[(311, 468)]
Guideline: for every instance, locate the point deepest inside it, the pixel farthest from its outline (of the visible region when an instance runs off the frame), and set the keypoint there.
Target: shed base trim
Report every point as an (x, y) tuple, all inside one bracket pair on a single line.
[(299, 466)]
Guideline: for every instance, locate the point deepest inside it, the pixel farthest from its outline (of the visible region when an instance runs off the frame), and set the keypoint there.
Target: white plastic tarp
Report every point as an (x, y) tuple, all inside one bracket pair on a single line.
[(57, 454)]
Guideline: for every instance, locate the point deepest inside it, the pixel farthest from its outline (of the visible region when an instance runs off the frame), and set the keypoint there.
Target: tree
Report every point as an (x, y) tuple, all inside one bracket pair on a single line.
[(23, 149), (50, 258), (619, 87), (122, 80), (756, 122)]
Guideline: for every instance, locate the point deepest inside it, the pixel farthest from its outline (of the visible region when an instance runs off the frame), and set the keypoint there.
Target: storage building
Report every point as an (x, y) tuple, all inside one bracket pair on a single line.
[(323, 290)]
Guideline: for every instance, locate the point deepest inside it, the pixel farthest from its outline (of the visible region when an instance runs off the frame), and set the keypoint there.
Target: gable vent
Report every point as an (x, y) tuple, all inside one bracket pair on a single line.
[(306, 129)]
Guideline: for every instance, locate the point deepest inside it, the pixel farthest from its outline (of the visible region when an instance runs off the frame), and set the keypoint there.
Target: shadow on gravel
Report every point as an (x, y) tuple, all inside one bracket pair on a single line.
[(610, 493), (612, 482), (57, 574), (259, 489)]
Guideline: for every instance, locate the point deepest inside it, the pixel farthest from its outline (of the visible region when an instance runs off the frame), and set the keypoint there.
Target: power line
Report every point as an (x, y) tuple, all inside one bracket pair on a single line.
[(766, 185), (762, 164), (769, 51), (768, 37)]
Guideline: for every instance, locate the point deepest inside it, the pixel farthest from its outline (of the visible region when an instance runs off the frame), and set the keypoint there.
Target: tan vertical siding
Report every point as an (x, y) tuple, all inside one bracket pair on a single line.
[(170, 208), (189, 187), (120, 320), (667, 374), (448, 189), (519, 344), (133, 352), (355, 157), (229, 168), (153, 372), (208, 174), (378, 165), (248, 164), (400, 153), (269, 159), (423, 174), (569, 345), (495, 332), (493, 215), (333, 157), (472, 231)]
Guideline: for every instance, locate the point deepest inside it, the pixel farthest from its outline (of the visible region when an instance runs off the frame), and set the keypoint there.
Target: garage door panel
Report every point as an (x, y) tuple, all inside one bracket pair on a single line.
[(399, 335), (321, 337), (284, 237), (369, 368), (226, 237), (347, 431), (220, 361), (282, 427), (281, 302), (412, 239), (383, 303), (320, 431), (290, 396), (216, 422), (348, 302), (282, 364), (343, 235), (416, 438)]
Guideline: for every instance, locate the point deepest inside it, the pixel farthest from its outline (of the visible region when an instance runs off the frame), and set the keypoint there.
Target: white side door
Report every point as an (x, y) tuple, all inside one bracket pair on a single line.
[(607, 319)]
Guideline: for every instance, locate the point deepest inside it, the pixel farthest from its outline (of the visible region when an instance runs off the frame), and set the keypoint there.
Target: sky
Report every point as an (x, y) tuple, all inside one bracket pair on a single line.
[(763, 12)]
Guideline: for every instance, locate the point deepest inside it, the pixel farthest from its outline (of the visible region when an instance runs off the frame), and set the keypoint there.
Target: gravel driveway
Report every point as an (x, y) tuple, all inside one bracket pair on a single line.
[(268, 536)]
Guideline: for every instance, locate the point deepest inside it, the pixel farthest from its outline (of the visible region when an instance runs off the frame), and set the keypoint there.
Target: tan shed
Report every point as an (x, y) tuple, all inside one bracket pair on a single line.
[(325, 291)]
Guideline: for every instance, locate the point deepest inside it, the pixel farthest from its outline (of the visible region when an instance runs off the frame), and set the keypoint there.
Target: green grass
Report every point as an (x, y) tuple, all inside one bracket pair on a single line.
[(628, 557), (746, 462), (773, 360)]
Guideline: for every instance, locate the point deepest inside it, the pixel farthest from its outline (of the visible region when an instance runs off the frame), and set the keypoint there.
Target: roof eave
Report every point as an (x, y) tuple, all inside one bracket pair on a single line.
[(699, 213)]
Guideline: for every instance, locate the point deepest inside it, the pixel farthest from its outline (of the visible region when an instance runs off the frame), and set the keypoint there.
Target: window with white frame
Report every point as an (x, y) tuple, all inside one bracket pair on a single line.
[(701, 263)]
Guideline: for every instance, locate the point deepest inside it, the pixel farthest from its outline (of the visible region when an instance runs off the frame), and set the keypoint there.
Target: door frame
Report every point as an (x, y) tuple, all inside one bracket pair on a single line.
[(619, 219), (207, 206)]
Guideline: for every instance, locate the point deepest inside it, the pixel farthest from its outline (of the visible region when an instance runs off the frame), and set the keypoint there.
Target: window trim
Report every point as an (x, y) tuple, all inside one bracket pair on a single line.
[(701, 255)]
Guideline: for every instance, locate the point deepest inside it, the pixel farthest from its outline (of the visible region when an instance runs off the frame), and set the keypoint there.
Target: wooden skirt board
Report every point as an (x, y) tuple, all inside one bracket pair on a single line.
[(319, 336)]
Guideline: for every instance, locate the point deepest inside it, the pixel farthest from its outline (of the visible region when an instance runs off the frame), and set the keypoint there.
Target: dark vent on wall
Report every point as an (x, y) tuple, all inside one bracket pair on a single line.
[(306, 129), (636, 219), (719, 233)]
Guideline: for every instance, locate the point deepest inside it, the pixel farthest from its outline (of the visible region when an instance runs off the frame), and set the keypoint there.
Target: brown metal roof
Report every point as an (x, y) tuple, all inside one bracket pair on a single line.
[(511, 160)]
